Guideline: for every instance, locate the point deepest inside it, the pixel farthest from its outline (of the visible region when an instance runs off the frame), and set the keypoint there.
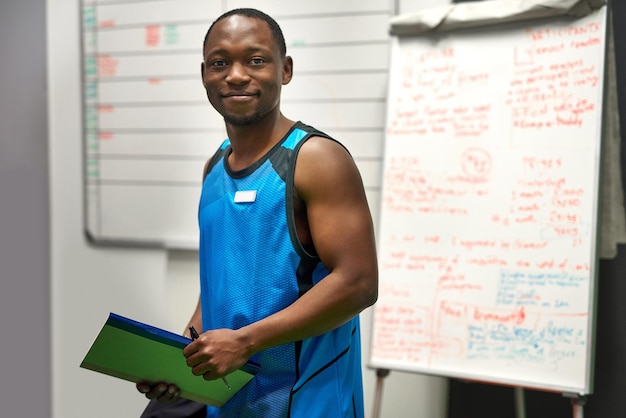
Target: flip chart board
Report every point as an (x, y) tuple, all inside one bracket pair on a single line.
[(148, 126), (487, 238)]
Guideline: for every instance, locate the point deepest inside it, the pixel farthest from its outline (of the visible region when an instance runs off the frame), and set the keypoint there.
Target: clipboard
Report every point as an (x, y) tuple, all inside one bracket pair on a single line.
[(134, 351)]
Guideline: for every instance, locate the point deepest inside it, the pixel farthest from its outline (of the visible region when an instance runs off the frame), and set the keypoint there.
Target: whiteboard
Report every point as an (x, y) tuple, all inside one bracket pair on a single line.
[(148, 127), (487, 237)]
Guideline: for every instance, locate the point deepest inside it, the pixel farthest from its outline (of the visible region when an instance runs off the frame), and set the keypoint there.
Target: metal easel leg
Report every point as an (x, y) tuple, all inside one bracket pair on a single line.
[(578, 403), (520, 403), (380, 376)]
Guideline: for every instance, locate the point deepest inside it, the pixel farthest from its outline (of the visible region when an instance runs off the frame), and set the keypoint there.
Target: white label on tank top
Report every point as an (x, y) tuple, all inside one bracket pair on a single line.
[(245, 196)]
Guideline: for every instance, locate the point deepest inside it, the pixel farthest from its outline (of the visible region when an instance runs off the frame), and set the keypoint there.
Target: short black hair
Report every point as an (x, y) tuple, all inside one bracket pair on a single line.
[(277, 33)]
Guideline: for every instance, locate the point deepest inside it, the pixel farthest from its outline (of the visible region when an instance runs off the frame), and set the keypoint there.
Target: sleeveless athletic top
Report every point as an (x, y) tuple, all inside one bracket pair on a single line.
[(253, 265)]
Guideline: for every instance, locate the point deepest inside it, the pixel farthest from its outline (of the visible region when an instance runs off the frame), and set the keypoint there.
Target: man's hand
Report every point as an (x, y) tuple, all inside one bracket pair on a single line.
[(162, 392), (216, 353)]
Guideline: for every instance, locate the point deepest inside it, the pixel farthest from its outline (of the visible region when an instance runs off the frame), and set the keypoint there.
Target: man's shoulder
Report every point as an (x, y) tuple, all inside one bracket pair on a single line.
[(321, 144)]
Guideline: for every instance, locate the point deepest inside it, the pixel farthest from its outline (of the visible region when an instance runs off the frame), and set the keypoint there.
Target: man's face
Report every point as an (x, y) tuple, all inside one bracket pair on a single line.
[(243, 70)]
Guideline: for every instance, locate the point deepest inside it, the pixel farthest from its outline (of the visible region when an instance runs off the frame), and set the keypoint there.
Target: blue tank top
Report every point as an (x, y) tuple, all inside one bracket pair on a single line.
[(253, 265)]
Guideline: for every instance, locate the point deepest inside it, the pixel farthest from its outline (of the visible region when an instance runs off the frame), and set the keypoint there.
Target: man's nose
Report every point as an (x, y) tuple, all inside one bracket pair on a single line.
[(238, 73)]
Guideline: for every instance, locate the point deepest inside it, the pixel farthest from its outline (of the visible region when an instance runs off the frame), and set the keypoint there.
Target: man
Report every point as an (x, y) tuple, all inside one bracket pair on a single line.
[(287, 252)]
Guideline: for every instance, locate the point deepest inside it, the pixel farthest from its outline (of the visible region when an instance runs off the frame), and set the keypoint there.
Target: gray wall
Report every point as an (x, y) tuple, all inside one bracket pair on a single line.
[(24, 236)]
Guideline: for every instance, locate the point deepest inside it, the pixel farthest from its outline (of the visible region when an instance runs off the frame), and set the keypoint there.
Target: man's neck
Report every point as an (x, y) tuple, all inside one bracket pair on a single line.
[(251, 142)]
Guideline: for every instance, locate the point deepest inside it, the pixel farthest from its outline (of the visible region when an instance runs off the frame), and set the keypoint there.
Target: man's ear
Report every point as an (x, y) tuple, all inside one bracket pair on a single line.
[(287, 70)]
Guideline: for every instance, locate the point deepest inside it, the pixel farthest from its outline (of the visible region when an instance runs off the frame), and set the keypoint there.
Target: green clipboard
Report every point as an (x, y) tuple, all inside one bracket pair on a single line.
[(136, 352)]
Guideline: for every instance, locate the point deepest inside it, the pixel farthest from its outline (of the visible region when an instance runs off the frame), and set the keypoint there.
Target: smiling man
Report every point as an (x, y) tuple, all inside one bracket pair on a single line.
[(287, 253)]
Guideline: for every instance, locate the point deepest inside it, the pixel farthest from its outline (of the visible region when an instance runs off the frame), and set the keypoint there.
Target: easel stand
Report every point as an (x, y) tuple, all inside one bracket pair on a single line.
[(380, 376), (578, 403)]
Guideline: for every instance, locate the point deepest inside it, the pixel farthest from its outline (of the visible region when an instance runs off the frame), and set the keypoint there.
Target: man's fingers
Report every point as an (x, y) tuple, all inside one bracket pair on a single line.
[(172, 393), (161, 392)]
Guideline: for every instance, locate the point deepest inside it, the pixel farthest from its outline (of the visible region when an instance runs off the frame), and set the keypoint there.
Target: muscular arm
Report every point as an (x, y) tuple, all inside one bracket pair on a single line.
[(340, 224), (341, 228)]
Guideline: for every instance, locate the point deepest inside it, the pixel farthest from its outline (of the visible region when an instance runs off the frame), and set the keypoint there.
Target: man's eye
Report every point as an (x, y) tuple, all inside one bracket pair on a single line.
[(218, 63), (257, 61)]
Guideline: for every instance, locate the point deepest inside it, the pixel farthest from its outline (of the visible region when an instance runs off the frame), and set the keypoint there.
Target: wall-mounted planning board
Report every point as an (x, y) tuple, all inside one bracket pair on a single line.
[(148, 127)]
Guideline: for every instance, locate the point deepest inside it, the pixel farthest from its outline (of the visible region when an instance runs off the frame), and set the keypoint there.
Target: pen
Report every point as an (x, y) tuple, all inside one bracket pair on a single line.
[(194, 336)]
